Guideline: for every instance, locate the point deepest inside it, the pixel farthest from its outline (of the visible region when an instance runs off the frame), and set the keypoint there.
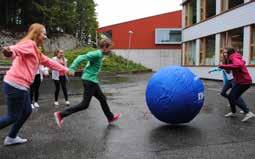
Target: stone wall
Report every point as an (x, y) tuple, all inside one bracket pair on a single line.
[(64, 42)]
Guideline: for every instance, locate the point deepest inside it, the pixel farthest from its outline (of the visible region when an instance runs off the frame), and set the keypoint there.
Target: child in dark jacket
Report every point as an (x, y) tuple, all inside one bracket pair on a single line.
[(243, 81)]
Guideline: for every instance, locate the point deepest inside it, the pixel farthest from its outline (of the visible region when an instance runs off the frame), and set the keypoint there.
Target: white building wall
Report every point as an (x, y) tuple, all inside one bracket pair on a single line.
[(239, 17), (217, 49), (246, 42), (152, 58), (202, 72)]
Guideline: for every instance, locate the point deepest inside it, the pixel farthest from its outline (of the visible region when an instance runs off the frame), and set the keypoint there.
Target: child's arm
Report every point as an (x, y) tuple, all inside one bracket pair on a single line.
[(236, 64), (52, 64), (7, 52), (216, 69), (77, 62), (87, 57), (43, 70), (23, 48)]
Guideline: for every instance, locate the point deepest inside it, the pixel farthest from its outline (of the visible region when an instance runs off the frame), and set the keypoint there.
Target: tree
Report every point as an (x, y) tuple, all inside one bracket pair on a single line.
[(87, 20), (75, 17)]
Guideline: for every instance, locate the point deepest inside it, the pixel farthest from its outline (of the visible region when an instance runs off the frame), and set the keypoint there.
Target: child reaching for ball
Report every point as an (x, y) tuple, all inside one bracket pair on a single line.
[(243, 82)]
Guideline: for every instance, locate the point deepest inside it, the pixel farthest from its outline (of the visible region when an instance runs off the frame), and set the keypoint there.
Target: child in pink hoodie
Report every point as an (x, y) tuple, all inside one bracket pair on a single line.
[(26, 58), (242, 79)]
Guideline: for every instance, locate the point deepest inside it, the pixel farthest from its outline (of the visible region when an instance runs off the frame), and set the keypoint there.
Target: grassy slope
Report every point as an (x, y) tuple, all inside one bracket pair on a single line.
[(111, 63)]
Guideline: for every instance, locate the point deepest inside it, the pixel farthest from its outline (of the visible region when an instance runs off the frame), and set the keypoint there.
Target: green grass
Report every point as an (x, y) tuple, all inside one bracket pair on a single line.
[(112, 63), (5, 62)]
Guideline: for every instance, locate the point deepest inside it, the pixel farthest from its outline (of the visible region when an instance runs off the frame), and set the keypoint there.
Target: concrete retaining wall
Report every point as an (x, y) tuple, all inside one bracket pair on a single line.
[(152, 58)]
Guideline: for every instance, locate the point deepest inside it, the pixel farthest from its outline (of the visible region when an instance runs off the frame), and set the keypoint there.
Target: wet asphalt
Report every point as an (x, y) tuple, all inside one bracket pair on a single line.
[(138, 135)]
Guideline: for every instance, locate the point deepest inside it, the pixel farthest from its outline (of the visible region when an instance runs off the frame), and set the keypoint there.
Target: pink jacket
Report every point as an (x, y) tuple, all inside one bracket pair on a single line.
[(26, 63), (240, 71)]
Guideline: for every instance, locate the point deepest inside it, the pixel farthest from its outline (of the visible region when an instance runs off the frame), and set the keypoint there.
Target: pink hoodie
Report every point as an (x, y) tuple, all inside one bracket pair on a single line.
[(26, 63), (240, 71)]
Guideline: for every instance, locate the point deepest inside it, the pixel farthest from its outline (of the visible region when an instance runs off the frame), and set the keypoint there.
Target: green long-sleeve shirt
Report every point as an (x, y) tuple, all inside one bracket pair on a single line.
[(93, 67)]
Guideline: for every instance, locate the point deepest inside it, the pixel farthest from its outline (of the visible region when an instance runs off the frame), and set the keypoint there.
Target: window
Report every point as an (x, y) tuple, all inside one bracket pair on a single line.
[(232, 38), (235, 39), (252, 61), (207, 50), (190, 53), (228, 4), (234, 3), (224, 5), (191, 13), (223, 44), (168, 36), (207, 8)]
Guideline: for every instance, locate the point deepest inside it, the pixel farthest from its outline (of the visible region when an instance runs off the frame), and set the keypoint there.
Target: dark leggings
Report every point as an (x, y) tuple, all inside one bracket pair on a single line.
[(90, 89), (236, 92), (19, 109), (34, 88), (62, 82), (228, 85)]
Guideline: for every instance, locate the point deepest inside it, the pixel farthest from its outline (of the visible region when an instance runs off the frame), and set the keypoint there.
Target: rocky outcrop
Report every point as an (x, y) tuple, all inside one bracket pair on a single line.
[(64, 42)]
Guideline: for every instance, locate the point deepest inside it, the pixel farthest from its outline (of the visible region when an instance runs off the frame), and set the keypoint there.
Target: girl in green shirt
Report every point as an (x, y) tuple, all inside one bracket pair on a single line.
[(90, 83)]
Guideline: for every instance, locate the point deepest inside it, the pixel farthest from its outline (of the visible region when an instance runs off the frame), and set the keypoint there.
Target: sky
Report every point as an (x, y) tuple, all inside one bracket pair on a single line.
[(116, 11)]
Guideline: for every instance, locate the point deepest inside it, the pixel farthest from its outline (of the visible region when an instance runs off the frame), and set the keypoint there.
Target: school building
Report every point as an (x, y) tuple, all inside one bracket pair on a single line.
[(152, 41), (211, 25)]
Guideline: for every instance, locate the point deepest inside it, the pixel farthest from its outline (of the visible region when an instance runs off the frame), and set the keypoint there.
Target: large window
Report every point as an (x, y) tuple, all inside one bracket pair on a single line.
[(235, 39), (207, 50), (190, 53), (252, 61), (168, 36), (232, 38), (207, 8), (228, 4), (191, 13)]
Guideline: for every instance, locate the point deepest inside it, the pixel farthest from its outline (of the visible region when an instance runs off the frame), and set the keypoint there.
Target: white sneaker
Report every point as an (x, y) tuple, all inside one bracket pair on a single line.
[(36, 105), (67, 103), (248, 116), (32, 106), (241, 112), (56, 103), (230, 114), (12, 141)]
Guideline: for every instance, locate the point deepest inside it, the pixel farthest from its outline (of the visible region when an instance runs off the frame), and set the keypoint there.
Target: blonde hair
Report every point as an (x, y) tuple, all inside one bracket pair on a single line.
[(105, 43), (33, 33)]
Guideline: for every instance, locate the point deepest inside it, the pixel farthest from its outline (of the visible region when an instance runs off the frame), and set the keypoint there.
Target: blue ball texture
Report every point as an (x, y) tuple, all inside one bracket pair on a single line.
[(175, 95)]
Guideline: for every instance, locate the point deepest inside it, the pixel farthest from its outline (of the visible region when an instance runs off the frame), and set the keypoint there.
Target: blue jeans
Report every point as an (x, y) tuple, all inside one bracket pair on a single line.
[(239, 102), (18, 109), (235, 94)]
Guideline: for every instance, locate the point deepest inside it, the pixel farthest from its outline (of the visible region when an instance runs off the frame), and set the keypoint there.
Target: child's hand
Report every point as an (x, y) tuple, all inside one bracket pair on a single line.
[(70, 73), (6, 51)]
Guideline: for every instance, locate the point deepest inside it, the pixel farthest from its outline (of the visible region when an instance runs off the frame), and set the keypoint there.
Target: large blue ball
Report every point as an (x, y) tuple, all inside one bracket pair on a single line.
[(175, 95)]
